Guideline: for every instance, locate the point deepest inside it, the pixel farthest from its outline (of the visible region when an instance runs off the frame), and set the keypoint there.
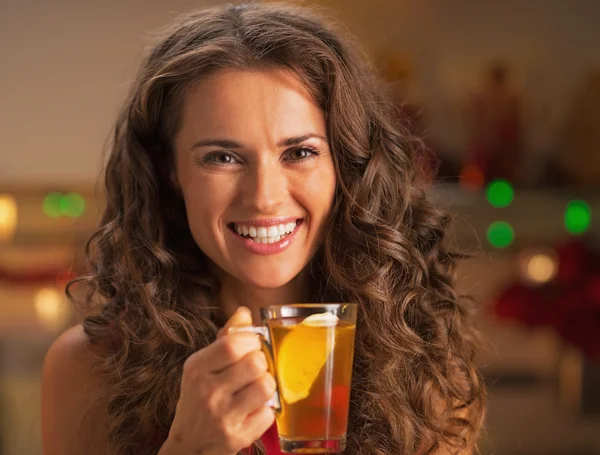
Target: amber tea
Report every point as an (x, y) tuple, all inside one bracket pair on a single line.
[(310, 349), (313, 372)]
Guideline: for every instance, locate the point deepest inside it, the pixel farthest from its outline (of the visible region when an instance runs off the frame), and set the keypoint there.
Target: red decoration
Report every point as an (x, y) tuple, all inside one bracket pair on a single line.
[(57, 275), (570, 303)]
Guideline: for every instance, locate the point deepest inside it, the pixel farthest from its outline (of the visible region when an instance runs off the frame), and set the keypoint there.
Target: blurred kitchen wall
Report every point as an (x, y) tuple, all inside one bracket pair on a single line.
[(66, 65)]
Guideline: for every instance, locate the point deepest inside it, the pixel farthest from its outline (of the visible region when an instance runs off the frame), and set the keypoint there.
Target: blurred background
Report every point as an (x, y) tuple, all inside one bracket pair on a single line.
[(505, 93)]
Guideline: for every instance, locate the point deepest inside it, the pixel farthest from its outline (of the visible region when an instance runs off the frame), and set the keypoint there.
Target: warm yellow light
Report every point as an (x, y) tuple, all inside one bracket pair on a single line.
[(51, 308), (540, 268), (8, 216)]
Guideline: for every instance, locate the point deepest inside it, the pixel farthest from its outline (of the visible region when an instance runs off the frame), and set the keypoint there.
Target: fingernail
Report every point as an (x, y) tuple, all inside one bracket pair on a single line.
[(244, 309)]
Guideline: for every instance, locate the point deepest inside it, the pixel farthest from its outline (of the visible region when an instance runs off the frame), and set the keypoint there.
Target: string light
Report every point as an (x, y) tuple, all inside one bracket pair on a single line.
[(500, 234), (578, 217), (500, 193)]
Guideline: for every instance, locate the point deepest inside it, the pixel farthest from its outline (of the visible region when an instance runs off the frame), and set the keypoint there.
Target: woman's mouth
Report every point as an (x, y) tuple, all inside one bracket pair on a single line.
[(266, 237), (261, 234)]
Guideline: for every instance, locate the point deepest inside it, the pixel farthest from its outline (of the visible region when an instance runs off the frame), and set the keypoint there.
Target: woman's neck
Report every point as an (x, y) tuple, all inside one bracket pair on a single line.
[(234, 294)]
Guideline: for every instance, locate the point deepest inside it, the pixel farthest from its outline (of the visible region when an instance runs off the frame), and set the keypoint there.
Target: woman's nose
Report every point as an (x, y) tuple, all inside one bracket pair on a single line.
[(265, 188)]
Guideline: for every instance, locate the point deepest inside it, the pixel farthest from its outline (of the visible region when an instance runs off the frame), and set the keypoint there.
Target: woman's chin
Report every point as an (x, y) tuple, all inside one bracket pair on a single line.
[(265, 277), (264, 282)]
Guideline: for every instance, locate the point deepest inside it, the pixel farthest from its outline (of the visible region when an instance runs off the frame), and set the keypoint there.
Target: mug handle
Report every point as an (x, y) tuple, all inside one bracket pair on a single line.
[(265, 338)]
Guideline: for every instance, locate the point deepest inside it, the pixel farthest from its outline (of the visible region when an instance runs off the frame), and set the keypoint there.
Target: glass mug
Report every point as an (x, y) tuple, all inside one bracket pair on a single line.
[(310, 351)]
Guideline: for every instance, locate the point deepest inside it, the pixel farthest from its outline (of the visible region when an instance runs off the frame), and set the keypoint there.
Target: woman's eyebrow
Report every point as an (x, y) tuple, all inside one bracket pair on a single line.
[(214, 142), (230, 144), (299, 139)]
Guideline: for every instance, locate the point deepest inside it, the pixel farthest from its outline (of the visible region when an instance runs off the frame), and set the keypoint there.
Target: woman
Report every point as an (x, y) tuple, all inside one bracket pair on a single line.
[(255, 163)]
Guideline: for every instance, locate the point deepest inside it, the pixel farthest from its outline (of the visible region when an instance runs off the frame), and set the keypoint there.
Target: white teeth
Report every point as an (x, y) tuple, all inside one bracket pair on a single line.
[(272, 232), (276, 233)]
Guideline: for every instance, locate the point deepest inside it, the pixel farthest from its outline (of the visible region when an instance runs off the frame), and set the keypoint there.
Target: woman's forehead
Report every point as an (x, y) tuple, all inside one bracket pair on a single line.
[(269, 102)]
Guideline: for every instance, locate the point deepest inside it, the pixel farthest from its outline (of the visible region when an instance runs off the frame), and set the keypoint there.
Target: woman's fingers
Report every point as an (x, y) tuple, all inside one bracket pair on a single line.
[(260, 421), (241, 318), (252, 367), (224, 352), (254, 396)]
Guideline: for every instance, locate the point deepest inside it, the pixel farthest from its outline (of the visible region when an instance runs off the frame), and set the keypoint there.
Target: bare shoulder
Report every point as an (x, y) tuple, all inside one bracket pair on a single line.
[(73, 417), (70, 347)]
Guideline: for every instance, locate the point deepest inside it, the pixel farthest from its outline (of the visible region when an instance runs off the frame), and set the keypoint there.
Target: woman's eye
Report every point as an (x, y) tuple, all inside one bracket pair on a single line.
[(301, 153), (220, 158)]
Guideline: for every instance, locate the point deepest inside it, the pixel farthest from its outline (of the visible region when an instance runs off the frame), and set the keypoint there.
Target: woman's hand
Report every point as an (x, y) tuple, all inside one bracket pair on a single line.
[(224, 388)]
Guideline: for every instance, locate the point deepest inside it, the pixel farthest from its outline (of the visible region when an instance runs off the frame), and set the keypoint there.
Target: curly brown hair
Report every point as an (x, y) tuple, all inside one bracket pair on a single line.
[(415, 384)]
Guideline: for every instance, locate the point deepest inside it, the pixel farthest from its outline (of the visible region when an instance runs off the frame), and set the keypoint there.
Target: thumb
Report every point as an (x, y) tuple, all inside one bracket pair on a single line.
[(242, 317)]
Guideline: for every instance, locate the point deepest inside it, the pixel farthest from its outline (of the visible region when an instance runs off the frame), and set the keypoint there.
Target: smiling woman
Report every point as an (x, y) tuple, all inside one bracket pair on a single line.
[(256, 163), (252, 151)]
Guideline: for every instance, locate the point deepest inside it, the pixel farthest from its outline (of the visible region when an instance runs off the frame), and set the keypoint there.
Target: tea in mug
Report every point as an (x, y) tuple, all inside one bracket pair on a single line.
[(313, 368)]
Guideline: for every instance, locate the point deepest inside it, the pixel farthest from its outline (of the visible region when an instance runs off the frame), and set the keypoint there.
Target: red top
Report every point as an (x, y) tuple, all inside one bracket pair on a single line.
[(271, 442)]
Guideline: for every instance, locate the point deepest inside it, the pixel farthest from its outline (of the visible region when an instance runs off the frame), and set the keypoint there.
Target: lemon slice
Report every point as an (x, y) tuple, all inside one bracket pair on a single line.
[(321, 320), (302, 354)]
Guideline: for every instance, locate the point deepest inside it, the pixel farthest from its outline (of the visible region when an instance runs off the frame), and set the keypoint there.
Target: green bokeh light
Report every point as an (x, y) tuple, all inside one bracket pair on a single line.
[(500, 234), (72, 205), (500, 193), (57, 204), (578, 217), (52, 204)]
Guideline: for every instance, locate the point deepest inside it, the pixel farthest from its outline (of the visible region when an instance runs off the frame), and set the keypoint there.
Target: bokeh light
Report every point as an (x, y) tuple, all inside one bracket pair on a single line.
[(472, 178), (500, 193), (72, 205), (578, 217), (8, 216), (51, 308), (500, 234), (540, 268), (58, 204), (51, 204)]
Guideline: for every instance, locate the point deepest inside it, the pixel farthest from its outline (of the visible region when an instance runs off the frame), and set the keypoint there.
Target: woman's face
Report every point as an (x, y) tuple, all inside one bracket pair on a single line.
[(256, 173)]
